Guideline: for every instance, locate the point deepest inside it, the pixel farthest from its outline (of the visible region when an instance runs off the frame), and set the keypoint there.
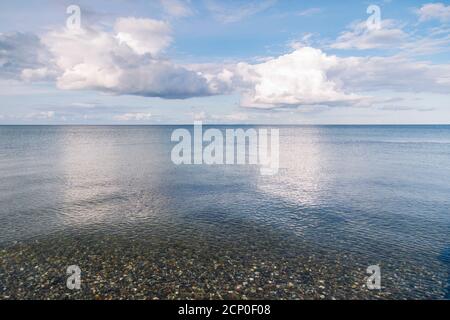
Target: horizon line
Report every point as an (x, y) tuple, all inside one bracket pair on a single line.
[(222, 124)]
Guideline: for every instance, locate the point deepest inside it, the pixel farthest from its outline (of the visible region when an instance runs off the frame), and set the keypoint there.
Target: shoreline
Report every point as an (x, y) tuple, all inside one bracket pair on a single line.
[(116, 268)]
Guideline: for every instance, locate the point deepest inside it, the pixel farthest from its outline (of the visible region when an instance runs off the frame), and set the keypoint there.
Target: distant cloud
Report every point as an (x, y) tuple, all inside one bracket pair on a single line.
[(391, 36), (434, 11), (360, 37), (397, 73), (226, 13), (405, 108), (44, 115), (177, 8), (19, 51), (136, 116), (234, 117), (308, 12), (200, 116)]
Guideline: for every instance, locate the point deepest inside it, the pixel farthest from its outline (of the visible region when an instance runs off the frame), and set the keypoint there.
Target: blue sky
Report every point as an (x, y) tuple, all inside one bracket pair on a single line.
[(267, 61)]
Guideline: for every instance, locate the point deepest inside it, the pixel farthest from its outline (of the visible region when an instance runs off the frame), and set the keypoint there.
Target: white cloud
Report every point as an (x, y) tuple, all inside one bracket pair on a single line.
[(431, 11), (308, 76), (236, 117), (177, 8), (44, 115), (226, 13), (126, 62), (291, 80), (396, 73), (308, 12), (144, 35), (200, 116), (220, 118), (129, 61), (135, 116), (391, 36), (17, 87), (359, 36), (431, 44), (38, 74)]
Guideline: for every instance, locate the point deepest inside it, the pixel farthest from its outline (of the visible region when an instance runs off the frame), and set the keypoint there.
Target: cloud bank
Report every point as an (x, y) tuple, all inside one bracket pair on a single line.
[(130, 59)]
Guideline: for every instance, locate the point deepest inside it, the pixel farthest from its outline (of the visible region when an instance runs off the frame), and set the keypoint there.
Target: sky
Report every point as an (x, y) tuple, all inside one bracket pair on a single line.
[(224, 62)]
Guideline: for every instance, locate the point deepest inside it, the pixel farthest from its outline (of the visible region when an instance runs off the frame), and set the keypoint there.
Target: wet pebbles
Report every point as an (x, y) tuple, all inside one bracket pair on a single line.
[(115, 267)]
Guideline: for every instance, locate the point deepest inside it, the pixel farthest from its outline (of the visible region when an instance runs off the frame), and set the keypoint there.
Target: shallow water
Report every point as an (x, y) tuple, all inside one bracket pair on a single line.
[(110, 200)]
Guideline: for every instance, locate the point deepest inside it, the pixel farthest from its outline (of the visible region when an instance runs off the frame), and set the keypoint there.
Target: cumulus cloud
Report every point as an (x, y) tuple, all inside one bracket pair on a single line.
[(308, 76), (359, 36), (291, 80), (130, 61), (434, 11), (144, 35), (127, 61), (38, 74)]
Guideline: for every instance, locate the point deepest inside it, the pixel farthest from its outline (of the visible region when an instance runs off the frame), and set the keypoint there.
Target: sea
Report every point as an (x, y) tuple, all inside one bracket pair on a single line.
[(110, 200)]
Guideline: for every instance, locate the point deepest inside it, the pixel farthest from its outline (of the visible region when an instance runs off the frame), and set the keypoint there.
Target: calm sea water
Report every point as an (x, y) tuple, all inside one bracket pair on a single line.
[(346, 197)]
